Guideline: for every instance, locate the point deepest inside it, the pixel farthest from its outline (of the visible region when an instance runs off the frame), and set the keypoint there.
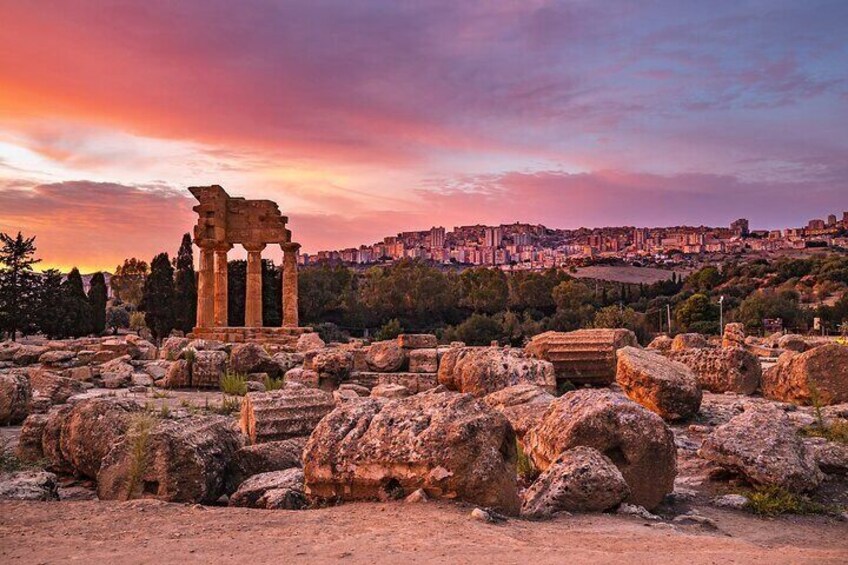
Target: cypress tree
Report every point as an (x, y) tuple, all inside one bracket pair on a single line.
[(185, 288), (272, 294), (236, 289), (158, 297), (76, 310), (97, 297), (18, 283)]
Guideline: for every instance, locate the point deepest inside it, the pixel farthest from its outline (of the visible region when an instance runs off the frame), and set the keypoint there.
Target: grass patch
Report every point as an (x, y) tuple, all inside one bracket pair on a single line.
[(159, 393), (272, 384), (229, 406), (139, 438), (524, 465), (775, 501), (9, 462), (189, 354), (234, 384), (836, 431)]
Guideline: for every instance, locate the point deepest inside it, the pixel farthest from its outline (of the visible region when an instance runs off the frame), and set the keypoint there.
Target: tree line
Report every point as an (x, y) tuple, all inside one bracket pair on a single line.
[(477, 306)]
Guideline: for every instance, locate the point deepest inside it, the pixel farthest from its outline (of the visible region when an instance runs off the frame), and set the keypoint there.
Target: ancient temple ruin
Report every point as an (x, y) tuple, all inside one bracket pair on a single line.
[(225, 221)]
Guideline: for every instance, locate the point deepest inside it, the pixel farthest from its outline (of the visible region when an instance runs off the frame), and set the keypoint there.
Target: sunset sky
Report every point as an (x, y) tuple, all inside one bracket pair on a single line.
[(362, 119)]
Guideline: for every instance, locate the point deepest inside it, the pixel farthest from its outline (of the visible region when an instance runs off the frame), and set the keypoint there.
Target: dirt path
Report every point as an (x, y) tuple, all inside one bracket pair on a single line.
[(154, 532)]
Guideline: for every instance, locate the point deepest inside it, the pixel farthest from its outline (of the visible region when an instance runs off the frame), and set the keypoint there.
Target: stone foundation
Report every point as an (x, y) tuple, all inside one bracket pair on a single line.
[(276, 336)]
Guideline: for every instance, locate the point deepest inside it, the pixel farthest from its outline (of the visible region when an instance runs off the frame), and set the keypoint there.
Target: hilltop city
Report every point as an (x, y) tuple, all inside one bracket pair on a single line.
[(522, 246)]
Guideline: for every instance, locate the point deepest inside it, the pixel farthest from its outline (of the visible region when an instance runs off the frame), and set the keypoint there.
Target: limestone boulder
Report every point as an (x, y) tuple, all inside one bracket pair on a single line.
[(91, 428), (276, 490), (287, 361), (390, 391), (762, 445), (51, 386), (51, 440), (28, 354), (117, 373), (172, 347), (665, 387), (733, 335), (484, 370), (208, 368), (8, 350), (830, 456), (59, 359), (267, 457), (178, 375), (248, 358), (334, 364), (183, 460), (793, 342), (818, 375), (292, 411), (305, 377), (423, 360), (581, 479), (523, 405), (29, 485), (635, 439), (450, 445), (719, 370), (309, 341), (29, 448), (385, 357), (688, 341), (15, 397), (661, 343), (417, 341)]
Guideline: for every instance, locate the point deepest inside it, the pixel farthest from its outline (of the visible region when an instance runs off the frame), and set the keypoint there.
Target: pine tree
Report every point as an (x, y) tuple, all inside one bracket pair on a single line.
[(76, 311), (185, 288), (97, 297), (158, 299), (18, 284)]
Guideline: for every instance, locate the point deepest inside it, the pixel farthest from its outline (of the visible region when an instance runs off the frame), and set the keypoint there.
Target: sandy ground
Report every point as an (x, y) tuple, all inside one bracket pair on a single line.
[(156, 532)]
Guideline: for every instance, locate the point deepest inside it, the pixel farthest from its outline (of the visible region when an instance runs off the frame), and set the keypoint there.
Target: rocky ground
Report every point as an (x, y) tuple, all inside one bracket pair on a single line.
[(149, 531), (663, 454)]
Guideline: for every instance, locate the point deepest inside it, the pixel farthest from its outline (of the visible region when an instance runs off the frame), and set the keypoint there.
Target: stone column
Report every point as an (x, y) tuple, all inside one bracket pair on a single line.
[(206, 287), (290, 319), (221, 285), (253, 303)]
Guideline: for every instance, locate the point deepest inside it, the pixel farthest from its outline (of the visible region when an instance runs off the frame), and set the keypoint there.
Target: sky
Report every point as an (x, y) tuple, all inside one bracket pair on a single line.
[(362, 119)]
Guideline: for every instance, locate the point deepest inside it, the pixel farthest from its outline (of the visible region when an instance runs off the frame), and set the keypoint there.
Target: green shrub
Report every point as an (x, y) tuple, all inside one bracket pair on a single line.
[(524, 465), (272, 384), (390, 330), (139, 437), (234, 384), (774, 501)]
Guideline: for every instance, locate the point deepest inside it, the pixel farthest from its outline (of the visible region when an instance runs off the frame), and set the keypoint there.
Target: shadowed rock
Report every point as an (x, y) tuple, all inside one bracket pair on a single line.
[(763, 446), (638, 441), (580, 480), (730, 369), (451, 445), (182, 460)]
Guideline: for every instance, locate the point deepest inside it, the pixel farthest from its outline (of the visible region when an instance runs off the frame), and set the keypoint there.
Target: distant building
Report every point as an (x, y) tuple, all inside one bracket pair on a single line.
[(640, 238), (831, 220), (437, 238), (493, 237), (740, 227), (815, 225)]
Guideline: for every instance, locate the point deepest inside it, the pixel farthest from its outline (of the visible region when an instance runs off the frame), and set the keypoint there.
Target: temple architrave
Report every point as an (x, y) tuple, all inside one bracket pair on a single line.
[(225, 221)]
